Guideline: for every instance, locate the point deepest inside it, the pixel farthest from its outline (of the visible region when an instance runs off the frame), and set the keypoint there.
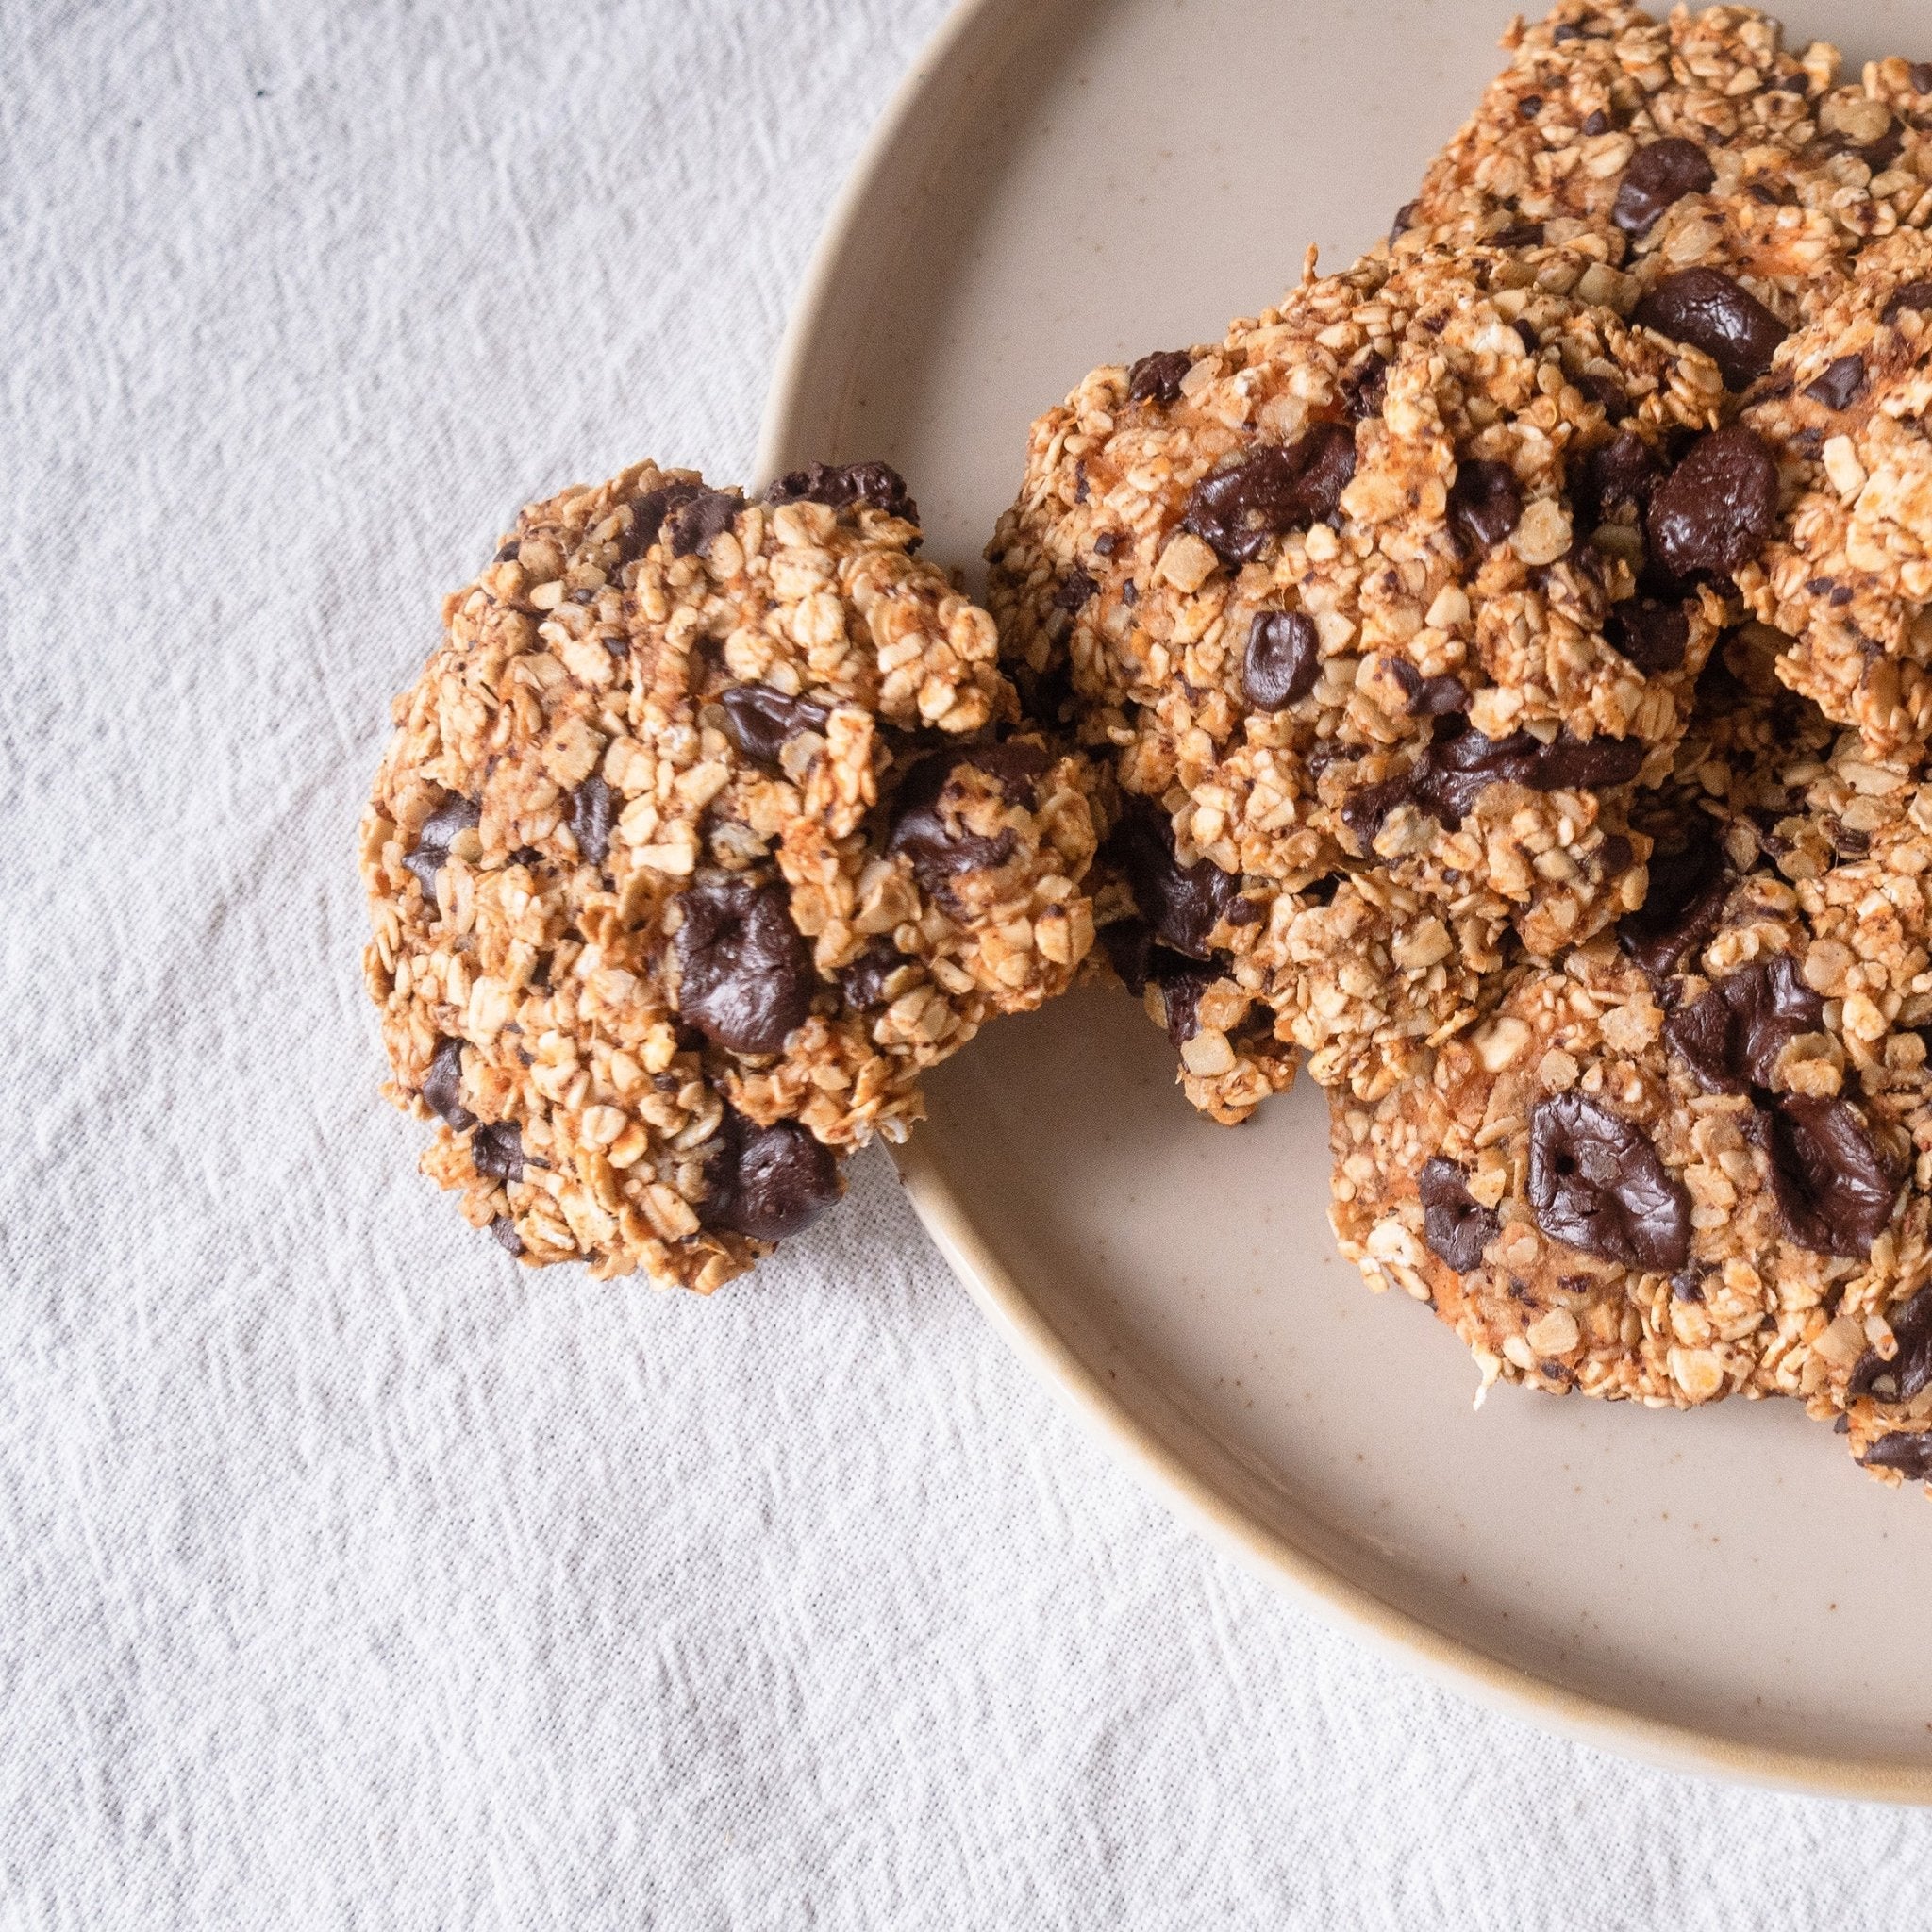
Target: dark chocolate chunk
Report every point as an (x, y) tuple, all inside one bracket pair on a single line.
[(1834, 1185), (503, 1231), (930, 836), (1442, 696), (440, 832), (1921, 76), (593, 812), (1074, 590), (1519, 235), (497, 1152), (744, 970), (1158, 378), (1399, 227), (647, 514), (1532, 342), (1485, 503), (507, 554), (1618, 475), (1732, 1035), (704, 514), (1181, 982), (1183, 903), (1595, 1183), (1841, 385), (760, 720), (768, 1182), (1720, 316), (1447, 778), (1680, 911), (1282, 658), (1653, 636), (1658, 176), (863, 983), (443, 1085), (1277, 487), (1530, 106), (1916, 296), (1713, 512), (1455, 1225), (1687, 1284), (1129, 944), (1365, 387), (1597, 123), (1910, 1370), (1908, 1453), (877, 486)]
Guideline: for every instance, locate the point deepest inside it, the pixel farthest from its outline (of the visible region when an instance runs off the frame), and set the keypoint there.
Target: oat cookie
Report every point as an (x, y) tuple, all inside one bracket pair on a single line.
[(1693, 173), (1380, 608), (707, 828), (1851, 575), (1690, 1159)]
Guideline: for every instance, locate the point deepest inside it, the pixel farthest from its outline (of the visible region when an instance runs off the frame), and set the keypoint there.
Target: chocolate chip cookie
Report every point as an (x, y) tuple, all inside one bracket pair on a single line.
[(708, 826), (1690, 1159), (1693, 174), (1380, 610), (1851, 570)]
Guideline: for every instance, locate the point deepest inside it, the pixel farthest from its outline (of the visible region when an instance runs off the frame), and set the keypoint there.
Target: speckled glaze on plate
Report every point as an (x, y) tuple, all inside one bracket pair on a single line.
[(1060, 185)]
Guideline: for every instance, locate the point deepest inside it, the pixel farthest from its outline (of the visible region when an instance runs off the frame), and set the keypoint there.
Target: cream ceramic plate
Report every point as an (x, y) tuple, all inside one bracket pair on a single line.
[(1063, 185)]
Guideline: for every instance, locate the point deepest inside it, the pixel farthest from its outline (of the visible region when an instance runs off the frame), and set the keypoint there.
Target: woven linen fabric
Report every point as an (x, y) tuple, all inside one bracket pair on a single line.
[(350, 1577)]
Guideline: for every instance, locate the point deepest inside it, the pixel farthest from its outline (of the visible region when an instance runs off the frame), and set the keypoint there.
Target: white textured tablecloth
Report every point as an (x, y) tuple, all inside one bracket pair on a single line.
[(350, 1577)]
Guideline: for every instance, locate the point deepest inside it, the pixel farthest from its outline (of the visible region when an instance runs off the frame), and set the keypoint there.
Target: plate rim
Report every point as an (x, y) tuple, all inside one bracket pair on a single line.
[(839, 263)]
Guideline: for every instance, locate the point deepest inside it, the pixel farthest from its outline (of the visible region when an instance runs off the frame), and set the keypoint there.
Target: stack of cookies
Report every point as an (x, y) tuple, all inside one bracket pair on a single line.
[(1499, 676)]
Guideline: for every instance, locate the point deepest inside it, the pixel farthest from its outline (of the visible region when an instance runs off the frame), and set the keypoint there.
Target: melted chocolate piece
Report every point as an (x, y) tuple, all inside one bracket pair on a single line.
[(443, 1085), (1456, 1226), (768, 1182), (1833, 1185), (760, 721), (497, 1152), (439, 833), (1129, 944), (925, 833), (1595, 1183), (1074, 590), (1181, 982), (1158, 378), (745, 972), (1446, 779), (1909, 1454), (1653, 636), (1618, 475), (1909, 1371), (1716, 509), (1442, 696), (1182, 903), (1485, 503), (592, 813), (1681, 909), (1282, 658), (1732, 1035), (877, 486), (862, 984), (1842, 384), (1916, 296), (1365, 388), (1658, 176), (1720, 316), (1238, 510), (691, 527)]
